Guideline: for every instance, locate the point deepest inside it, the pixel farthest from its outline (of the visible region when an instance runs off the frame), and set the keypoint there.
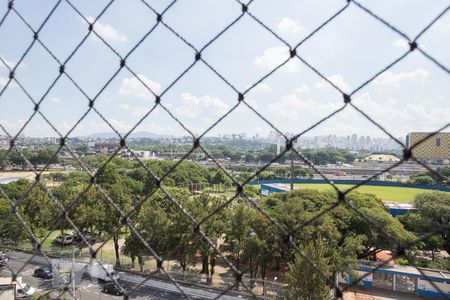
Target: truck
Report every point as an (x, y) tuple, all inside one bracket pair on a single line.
[(104, 272)]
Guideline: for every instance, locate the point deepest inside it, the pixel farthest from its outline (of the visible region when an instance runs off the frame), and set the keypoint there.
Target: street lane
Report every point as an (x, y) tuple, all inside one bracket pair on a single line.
[(151, 289)]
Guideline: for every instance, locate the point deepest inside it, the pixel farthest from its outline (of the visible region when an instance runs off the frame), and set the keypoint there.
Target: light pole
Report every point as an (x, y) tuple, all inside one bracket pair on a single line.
[(292, 171), (73, 271)]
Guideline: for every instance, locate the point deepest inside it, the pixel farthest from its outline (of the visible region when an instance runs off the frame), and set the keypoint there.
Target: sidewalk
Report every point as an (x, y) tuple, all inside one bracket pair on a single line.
[(377, 294)]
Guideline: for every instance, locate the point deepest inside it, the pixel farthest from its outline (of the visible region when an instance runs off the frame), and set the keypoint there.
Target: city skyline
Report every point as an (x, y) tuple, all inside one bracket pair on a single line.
[(349, 142)]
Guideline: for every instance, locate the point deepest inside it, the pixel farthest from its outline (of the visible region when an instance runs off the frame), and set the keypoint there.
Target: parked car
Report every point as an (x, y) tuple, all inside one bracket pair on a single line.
[(88, 236), (67, 239), (43, 272), (3, 259), (25, 290), (112, 288), (77, 237)]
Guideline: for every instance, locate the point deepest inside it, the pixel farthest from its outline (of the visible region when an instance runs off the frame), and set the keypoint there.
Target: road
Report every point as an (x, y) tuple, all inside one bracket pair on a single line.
[(151, 289)]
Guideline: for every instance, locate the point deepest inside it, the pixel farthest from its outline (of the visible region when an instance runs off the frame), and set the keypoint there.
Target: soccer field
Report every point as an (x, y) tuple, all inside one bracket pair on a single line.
[(388, 193)]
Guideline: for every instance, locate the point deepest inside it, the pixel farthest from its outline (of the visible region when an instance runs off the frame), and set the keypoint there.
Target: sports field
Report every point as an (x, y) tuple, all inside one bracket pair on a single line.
[(388, 193)]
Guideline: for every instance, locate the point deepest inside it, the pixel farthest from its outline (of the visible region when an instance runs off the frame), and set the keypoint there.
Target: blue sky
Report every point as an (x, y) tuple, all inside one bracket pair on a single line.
[(411, 96)]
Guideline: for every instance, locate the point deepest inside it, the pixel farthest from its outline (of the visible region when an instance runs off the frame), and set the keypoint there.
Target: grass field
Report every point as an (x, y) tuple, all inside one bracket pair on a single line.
[(388, 193)]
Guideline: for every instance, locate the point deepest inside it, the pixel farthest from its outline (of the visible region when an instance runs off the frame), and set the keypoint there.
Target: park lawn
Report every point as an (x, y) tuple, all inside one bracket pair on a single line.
[(387, 193)]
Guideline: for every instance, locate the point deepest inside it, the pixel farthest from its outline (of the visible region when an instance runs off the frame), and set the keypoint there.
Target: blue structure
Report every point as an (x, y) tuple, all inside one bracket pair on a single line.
[(398, 209), (418, 281)]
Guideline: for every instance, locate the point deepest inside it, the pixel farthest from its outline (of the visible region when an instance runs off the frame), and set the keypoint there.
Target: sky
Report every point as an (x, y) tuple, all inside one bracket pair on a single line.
[(413, 95)]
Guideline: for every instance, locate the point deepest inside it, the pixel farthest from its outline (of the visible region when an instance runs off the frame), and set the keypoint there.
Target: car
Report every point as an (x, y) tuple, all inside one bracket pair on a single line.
[(77, 237), (43, 272), (25, 291), (88, 236), (67, 239), (3, 259), (113, 289)]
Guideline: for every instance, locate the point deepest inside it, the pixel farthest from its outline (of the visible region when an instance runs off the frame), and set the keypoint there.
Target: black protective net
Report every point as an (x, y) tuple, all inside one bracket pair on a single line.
[(199, 225)]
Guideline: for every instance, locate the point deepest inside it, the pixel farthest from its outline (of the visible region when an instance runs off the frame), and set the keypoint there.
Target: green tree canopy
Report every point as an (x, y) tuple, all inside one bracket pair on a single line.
[(432, 215)]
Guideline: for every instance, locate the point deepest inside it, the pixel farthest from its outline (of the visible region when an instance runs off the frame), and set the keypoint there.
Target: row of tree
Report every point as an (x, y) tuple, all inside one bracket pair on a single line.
[(36, 157), (45, 154), (440, 176)]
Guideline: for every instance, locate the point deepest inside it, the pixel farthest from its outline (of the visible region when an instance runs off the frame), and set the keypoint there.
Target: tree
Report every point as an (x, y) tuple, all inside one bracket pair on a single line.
[(433, 244), (217, 176), (267, 175), (432, 215), (33, 204), (84, 207), (4, 161), (202, 207), (440, 176), (38, 207), (238, 231), (304, 281), (11, 230), (44, 156), (389, 232), (111, 219), (332, 230), (180, 238), (303, 172), (122, 194), (443, 175), (164, 227), (422, 179)]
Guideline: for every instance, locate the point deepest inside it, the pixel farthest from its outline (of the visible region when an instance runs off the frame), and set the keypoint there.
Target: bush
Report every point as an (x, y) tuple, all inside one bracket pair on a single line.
[(422, 179), (402, 261)]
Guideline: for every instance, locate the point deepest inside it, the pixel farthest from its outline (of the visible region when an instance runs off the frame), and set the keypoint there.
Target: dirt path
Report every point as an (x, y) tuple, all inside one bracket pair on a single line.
[(24, 174)]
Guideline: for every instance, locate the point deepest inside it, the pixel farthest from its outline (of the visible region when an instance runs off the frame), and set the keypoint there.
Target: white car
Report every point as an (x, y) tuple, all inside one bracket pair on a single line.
[(26, 290), (67, 239)]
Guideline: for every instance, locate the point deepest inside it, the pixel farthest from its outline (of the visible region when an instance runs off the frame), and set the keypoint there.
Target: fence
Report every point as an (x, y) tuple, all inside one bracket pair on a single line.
[(11, 10)]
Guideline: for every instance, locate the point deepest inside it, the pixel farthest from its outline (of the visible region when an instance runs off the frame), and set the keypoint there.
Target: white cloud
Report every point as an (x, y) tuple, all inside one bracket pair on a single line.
[(55, 99), (290, 26), (263, 87), (11, 126), (390, 79), (401, 43), (4, 81), (201, 108), (303, 88), (134, 110), (292, 108), (274, 56), (398, 116), (244, 109), (134, 88), (10, 63), (252, 103), (336, 79), (107, 32)]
